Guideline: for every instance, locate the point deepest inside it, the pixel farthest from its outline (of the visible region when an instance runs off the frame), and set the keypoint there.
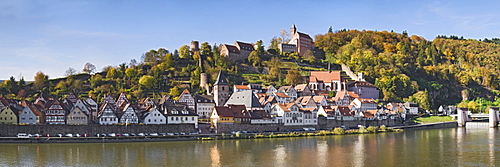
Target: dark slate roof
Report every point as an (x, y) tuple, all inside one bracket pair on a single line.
[(246, 98), (204, 99), (221, 79)]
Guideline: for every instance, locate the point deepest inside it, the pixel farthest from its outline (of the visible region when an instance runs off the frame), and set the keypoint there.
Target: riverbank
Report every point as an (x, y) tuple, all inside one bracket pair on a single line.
[(224, 136)]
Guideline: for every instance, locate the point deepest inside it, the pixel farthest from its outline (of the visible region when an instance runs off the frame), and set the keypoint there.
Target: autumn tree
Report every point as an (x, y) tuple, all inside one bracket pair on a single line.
[(41, 81), (254, 58), (293, 77)]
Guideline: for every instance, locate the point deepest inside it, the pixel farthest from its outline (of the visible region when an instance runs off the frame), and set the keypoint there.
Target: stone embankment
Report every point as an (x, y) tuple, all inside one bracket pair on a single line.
[(451, 124)]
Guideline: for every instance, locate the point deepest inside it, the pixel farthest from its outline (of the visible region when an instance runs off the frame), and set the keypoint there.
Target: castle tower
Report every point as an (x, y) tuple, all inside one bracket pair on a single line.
[(221, 90), (195, 46), (293, 30)]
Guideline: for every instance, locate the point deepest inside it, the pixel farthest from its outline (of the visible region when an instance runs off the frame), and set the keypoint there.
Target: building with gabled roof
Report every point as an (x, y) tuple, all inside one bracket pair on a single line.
[(364, 104), (246, 98), (55, 112), (288, 90), (30, 114), (230, 114), (153, 116), (122, 99), (107, 114), (9, 115), (204, 105), (364, 89), (129, 114), (77, 117), (325, 80), (187, 98), (178, 113), (303, 90), (237, 52)]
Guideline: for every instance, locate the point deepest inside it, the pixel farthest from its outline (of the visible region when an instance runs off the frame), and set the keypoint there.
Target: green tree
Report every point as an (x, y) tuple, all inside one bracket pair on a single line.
[(147, 81), (112, 73), (174, 92), (254, 58), (184, 52), (275, 42), (422, 99)]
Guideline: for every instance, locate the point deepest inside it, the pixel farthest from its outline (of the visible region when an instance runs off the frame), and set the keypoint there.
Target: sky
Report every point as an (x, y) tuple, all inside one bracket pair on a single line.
[(53, 35)]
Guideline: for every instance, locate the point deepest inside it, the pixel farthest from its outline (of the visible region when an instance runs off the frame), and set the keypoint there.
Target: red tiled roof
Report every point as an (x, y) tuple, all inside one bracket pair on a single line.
[(282, 95), (285, 106), (301, 87), (324, 76), (241, 86)]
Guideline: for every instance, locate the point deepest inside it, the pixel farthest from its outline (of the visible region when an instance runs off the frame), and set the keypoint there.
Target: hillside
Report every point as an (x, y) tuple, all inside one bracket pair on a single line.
[(403, 67)]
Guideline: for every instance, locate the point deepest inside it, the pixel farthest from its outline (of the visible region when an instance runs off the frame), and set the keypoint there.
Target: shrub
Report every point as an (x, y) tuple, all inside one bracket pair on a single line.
[(371, 129), (383, 128), (338, 131), (362, 129)]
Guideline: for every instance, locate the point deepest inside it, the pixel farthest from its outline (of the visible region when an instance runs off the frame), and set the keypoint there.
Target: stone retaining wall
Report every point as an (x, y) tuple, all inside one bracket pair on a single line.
[(323, 123), (12, 130)]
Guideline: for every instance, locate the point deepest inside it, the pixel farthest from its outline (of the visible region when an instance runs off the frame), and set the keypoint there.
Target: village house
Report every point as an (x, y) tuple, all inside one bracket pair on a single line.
[(122, 99), (303, 90), (129, 114), (256, 88), (282, 97), (55, 112), (342, 98), (93, 109), (186, 97), (204, 105), (364, 89), (31, 114), (411, 107), (107, 114), (270, 90), (306, 102), (287, 113), (230, 114), (180, 114), (77, 117), (261, 117), (246, 98), (364, 104), (153, 116), (289, 91), (9, 115)]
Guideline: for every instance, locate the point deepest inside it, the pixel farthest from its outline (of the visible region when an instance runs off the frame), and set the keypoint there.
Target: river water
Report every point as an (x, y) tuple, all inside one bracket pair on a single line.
[(471, 146)]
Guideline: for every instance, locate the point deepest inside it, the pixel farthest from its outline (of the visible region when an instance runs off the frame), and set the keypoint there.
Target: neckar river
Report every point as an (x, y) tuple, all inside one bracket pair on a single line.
[(474, 146)]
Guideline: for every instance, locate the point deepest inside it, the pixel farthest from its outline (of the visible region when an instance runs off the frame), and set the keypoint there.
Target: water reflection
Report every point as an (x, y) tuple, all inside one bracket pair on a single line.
[(439, 147)]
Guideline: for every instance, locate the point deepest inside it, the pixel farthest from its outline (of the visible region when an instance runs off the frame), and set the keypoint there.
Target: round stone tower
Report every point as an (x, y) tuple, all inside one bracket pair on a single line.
[(195, 46)]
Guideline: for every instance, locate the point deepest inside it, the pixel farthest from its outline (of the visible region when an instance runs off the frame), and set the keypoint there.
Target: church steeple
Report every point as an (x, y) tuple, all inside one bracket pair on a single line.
[(221, 79)]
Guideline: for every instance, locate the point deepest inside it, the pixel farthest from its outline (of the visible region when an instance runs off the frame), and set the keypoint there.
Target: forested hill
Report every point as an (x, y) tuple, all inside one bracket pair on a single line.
[(402, 66)]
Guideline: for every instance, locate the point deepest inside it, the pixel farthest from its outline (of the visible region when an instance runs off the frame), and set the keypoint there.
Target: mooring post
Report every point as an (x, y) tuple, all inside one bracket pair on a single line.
[(493, 117), (462, 116)]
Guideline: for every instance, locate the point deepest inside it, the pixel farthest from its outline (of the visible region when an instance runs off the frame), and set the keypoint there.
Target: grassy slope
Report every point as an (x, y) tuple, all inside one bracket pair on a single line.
[(432, 119)]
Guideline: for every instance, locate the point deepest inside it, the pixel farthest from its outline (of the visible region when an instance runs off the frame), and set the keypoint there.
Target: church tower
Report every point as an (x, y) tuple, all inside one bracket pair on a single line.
[(221, 90), (293, 30)]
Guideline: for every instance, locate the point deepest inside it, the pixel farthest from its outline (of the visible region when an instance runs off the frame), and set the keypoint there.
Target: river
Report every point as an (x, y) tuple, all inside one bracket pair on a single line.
[(471, 146)]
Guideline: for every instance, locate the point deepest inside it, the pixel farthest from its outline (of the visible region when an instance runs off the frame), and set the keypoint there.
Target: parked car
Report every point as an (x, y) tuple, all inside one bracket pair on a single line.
[(48, 135), (170, 134), (112, 135), (77, 135), (69, 135), (22, 135), (59, 135), (162, 134), (133, 134), (194, 133), (85, 135), (126, 134), (36, 135), (141, 134), (153, 134)]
